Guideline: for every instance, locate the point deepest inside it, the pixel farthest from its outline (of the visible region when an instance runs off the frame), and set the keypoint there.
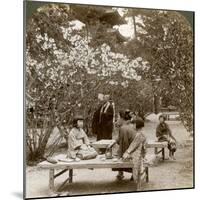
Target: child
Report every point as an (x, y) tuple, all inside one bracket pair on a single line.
[(78, 142), (136, 151)]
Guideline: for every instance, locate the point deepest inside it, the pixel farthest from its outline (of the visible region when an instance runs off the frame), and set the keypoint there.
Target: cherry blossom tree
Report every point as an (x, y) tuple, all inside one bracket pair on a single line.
[(66, 67)]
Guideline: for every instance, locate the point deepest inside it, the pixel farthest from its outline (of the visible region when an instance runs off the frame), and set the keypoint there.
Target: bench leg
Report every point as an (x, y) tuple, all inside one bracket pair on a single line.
[(147, 174), (70, 175), (63, 184), (51, 181), (155, 150), (163, 153)]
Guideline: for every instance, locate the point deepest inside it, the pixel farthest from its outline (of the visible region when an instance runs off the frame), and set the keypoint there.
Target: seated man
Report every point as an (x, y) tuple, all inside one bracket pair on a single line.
[(78, 142), (131, 142)]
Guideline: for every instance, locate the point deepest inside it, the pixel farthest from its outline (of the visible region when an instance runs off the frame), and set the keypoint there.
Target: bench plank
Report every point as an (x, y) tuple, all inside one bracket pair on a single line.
[(154, 144), (86, 164)]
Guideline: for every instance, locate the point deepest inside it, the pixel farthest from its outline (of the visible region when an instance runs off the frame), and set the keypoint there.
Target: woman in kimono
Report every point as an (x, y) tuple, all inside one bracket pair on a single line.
[(78, 142), (130, 141), (163, 133)]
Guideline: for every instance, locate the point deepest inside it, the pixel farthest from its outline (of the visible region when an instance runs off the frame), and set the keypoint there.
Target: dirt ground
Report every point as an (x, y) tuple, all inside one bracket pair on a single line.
[(163, 174)]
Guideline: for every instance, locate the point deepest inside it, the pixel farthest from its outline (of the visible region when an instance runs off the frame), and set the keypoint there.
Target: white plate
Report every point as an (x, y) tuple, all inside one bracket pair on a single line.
[(66, 160)]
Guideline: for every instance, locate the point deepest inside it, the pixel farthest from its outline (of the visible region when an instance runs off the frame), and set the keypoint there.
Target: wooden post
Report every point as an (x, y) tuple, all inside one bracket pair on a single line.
[(156, 104), (62, 185), (51, 180), (155, 150), (70, 175)]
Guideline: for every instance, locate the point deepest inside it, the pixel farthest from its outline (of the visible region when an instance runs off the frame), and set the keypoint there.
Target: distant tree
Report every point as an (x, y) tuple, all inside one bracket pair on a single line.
[(167, 42)]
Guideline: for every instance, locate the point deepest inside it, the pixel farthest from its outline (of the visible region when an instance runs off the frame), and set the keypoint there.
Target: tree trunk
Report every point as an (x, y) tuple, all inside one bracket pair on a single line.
[(41, 149), (135, 29), (156, 104)]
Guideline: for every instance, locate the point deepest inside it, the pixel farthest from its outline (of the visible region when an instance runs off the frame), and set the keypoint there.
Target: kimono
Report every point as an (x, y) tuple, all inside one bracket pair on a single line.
[(163, 133), (102, 122), (137, 150), (127, 134), (78, 145)]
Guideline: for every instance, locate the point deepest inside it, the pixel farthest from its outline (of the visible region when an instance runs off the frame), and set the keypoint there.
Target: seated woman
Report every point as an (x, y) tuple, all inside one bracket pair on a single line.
[(163, 133), (130, 141), (78, 142)]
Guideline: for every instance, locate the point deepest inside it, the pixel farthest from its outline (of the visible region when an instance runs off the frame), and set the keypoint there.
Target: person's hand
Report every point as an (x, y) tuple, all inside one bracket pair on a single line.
[(84, 147), (111, 145), (78, 147), (90, 147), (175, 139), (126, 156)]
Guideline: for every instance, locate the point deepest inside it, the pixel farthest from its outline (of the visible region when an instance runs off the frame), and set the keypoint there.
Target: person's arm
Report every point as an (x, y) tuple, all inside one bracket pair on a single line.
[(158, 133), (139, 138), (170, 132), (115, 141), (73, 143), (112, 144), (86, 139)]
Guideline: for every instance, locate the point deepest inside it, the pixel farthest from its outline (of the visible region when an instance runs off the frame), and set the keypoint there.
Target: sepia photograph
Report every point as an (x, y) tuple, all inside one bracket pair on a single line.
[(108, 99)]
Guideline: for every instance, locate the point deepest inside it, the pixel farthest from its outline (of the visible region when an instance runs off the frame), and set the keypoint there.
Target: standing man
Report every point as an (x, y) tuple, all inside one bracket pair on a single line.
[(103, 118)]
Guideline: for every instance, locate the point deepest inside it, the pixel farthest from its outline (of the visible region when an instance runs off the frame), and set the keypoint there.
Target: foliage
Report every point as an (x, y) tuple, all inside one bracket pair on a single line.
[(166, 40)]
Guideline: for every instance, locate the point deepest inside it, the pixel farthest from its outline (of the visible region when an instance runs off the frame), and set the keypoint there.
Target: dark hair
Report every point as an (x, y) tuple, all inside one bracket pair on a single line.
[(139, 123), (162, 116), (75, 120), (125, 115)]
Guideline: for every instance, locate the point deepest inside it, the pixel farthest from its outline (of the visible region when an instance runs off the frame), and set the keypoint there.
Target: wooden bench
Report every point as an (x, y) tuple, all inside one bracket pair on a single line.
[(103, 144), (158, 145), (172, 116), (96, 163)]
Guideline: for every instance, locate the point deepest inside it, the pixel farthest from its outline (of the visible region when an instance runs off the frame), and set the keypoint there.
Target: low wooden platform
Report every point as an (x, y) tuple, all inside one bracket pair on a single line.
[(88, 164)]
